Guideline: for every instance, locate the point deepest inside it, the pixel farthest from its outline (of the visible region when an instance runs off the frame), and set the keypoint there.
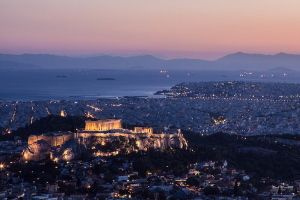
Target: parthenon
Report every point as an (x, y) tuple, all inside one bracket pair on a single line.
[(103, 125)]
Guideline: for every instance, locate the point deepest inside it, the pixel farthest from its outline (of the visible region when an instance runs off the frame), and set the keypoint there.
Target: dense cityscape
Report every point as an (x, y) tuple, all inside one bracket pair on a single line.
[(223, 123), (232, 107)]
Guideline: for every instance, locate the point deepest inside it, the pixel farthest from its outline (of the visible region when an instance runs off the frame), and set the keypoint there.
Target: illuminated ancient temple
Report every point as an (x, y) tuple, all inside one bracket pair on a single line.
[(103, 125)]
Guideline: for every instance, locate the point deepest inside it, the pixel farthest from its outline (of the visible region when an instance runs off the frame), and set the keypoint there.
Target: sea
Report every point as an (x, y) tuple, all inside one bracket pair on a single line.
[(74, 84)]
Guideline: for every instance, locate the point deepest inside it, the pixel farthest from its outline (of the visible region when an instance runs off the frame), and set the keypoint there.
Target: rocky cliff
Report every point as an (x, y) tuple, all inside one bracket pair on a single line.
[(36, 151)]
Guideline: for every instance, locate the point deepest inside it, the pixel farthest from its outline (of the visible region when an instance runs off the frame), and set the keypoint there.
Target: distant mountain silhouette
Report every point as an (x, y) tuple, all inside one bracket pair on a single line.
[(12, 64), (283, 70), (237, 61), (104, 62), (259, 61)]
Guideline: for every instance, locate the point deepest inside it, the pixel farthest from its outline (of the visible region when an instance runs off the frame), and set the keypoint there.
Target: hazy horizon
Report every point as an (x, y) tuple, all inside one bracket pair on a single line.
[(164, 56), (210, 56)]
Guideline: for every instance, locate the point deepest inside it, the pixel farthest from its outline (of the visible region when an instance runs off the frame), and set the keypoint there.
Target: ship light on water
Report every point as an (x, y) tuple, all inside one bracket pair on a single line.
[(162, 71)]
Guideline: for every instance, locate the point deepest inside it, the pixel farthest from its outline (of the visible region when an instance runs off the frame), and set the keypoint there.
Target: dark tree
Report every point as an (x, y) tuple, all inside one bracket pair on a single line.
[(78, 182), (209, 190), (235, 189), (192, 181), (279, 190)]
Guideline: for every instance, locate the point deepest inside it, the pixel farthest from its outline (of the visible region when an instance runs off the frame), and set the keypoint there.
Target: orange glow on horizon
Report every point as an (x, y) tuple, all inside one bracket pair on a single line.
[(195, 26)]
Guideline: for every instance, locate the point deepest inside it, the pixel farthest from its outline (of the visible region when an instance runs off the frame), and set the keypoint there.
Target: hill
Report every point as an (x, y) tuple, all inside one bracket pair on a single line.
[(236, 61), (51, 123), (273, 156), (259, 61), (13, 64), (104, 62)]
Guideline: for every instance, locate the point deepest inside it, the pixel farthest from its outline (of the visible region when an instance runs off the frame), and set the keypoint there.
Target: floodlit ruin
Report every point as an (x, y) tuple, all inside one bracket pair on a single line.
[(96, 139)]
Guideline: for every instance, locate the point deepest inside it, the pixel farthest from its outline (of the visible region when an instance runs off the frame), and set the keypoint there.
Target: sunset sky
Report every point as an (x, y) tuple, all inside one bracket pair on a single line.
[(206, 29)]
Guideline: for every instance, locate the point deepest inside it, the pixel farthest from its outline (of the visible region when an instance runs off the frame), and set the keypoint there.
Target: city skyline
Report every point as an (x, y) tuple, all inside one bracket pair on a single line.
[(172, 29)]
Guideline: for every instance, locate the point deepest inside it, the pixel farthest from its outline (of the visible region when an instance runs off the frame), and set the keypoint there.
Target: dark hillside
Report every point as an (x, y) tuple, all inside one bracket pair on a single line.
[(265, 156), (51, 123)]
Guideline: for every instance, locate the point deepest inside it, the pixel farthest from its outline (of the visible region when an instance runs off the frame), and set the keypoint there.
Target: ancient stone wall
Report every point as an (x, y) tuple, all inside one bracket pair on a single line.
[(55, 139), (143, 140), (61, 139)]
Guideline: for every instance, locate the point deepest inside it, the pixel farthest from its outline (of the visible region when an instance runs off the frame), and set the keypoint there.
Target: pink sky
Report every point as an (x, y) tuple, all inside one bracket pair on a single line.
[(205, 29)]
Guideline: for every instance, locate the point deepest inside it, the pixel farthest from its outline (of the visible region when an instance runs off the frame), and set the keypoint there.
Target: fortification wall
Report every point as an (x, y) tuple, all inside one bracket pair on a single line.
[(143, 140), (161, 141), (87, 135), (52, 140), (34, 138), (61, 139)]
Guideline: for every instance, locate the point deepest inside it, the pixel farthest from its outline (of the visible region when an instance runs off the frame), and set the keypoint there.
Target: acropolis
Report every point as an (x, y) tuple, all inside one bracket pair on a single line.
[(67, 145)]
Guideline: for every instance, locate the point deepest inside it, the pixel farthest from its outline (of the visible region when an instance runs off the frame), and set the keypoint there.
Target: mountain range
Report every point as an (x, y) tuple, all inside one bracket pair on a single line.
[(236, 61)]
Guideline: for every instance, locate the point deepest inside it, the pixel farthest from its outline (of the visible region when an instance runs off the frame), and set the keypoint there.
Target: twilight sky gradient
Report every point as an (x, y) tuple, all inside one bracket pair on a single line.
[(205, 29)]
